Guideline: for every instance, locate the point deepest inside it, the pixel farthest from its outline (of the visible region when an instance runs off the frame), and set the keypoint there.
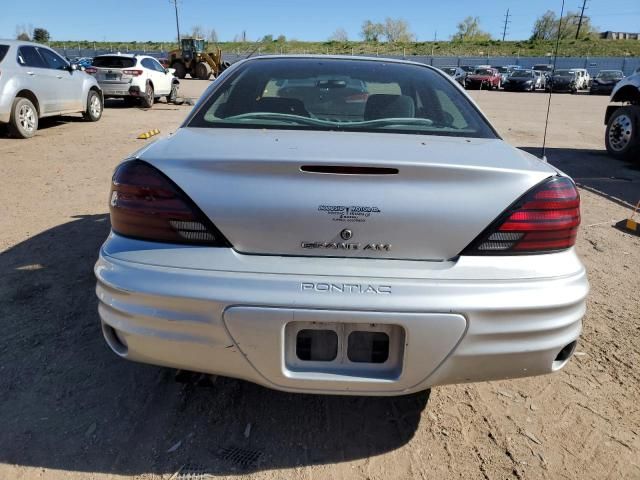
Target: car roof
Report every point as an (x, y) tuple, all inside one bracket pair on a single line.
[(124, 55), (20, 43), (338, 57)]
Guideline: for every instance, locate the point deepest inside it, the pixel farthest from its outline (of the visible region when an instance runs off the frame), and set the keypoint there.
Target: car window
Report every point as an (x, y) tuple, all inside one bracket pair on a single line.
[(53, 60), (343, 95), (3, 51), (114, 61), (157, 66), (148, 63), (29, 57)]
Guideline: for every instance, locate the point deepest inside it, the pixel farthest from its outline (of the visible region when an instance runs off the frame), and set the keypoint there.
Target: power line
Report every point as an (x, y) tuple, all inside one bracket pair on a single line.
[(506, 24), (584, 5)]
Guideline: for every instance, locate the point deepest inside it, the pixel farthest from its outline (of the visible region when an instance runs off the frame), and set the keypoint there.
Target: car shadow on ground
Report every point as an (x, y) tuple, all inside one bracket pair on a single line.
[(598, 172), (69, 403), (44, 124)]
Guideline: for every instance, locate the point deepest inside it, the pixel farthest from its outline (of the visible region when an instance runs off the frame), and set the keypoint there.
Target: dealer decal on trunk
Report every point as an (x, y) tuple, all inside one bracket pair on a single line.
[(344, 213)]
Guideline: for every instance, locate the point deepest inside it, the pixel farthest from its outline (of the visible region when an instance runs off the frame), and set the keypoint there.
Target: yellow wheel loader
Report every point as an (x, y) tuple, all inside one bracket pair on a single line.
[(193, 59)]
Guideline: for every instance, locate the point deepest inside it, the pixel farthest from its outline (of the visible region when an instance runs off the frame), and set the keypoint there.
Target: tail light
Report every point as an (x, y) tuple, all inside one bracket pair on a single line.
[(91, 70), (145, 204), (545, 219), (133, 73)]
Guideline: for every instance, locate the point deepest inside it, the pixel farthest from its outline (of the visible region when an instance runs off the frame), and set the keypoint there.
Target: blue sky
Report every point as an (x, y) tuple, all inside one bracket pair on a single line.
[(144, 20)]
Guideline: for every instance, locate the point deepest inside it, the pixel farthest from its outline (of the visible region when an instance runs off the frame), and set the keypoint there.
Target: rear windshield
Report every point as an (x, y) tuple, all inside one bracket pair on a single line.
[(483, 71), (114, 62), (342, 95), (3, 51), (522, 74), (610, 75), (564, 73)]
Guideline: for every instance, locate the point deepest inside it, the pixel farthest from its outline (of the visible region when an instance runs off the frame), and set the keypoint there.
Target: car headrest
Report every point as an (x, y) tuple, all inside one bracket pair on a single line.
[(291, 106), (389, 106)]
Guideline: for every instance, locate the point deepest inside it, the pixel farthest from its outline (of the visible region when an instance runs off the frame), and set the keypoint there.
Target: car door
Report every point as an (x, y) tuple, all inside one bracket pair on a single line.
[(164, 76), (67, 82), (34, 77), (157, 77)]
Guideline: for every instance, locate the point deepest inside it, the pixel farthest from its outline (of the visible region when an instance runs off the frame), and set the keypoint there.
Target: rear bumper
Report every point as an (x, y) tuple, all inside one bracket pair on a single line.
[(462, 322), (516, 87), (601, 89), (119, 89)]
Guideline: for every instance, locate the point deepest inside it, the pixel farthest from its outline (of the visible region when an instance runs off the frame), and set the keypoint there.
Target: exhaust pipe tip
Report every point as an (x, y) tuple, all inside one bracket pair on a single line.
[(563, 356), (115, 341)]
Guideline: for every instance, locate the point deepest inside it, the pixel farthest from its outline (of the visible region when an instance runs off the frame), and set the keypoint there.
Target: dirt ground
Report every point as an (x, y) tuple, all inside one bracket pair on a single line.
[(70, 409)]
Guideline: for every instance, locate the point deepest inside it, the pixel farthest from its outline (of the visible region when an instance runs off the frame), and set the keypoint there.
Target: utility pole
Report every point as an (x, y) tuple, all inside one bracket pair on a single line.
[(506, 24), (175, 5), (584, 5)]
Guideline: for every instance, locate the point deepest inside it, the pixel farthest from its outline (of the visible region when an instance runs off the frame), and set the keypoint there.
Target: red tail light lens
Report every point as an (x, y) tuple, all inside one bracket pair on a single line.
[(133, 73), (145, 204), (545, 219), (91, 70)]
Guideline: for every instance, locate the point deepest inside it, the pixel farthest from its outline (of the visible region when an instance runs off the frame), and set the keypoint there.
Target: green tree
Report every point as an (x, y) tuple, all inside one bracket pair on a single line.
[(41, 35), (340, 35), (545, 26), (371, 32), (397, 30), (469, 30)]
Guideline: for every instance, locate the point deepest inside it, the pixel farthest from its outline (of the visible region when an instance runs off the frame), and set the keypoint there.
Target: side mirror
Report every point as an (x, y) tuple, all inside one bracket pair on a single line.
[(172, 71), (72, 67)]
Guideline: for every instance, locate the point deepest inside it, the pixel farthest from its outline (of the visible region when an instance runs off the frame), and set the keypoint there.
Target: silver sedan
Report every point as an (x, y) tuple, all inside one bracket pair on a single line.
[(310, 236)]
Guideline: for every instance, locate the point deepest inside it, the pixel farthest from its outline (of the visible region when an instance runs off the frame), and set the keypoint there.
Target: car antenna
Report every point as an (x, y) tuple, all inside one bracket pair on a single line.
[(256, 47), (555, 59)]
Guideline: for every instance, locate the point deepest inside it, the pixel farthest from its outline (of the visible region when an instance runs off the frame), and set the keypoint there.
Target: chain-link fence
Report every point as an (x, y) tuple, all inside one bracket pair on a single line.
[(593, 64)]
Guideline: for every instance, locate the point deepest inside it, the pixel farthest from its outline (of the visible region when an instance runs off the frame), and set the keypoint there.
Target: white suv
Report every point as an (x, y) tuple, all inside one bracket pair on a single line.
[(134, 77)]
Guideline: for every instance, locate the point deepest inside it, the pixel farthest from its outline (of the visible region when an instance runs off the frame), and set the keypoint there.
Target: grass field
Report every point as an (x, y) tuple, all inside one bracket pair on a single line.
[(569, 48)]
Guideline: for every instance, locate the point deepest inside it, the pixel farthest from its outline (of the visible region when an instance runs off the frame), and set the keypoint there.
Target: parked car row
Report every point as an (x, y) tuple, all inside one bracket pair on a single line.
[(539, 77)]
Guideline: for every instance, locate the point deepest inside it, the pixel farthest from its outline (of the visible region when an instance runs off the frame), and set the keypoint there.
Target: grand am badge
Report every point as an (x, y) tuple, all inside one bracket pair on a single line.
[(374, 247), (349, 213)]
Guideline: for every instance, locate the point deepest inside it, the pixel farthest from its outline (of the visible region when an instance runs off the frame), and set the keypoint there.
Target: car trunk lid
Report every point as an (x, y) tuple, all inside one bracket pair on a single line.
[(346, 194)]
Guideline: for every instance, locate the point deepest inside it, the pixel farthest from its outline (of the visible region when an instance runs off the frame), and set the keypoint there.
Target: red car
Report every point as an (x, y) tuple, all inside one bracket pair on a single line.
[(485, 78)]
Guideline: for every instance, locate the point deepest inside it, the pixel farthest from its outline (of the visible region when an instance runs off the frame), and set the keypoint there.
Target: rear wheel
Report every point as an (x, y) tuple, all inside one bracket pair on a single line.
[(203, 71), (148, 98), (23, 122), (622, 138), (180, 69), (94, 107)]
